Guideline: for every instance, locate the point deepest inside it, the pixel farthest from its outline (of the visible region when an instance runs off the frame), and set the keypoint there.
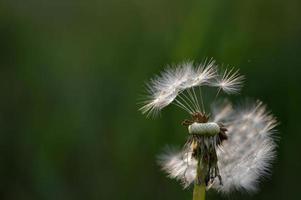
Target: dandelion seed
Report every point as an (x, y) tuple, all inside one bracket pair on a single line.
[(230, 82), (228, 150)]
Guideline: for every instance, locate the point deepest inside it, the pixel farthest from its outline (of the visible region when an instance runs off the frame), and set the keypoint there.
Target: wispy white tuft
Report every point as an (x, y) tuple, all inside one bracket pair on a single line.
[(202, 74), (247, 154), (243, 158), (230, 82), (164, 89), (179, 165)]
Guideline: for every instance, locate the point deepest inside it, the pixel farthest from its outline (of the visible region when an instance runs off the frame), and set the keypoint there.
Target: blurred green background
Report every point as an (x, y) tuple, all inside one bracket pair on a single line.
[(72, 73)]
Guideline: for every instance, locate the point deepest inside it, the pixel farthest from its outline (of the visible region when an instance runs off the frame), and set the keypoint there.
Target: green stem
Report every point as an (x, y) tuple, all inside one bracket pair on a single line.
[(199, 192)]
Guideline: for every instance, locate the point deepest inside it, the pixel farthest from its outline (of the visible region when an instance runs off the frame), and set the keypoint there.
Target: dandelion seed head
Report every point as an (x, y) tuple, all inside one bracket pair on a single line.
[(239, 140), (243, 159)]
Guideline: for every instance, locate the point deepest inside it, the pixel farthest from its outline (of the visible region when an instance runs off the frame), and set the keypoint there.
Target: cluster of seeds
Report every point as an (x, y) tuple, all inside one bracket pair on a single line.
[(227, 151)]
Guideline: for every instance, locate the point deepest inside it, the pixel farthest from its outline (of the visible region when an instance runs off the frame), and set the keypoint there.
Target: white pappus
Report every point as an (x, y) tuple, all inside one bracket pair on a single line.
[(228, 150)]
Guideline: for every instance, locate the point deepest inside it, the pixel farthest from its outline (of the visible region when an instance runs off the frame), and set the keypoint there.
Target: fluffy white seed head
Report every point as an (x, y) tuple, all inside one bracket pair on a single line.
[(250, 148), (243, 158)]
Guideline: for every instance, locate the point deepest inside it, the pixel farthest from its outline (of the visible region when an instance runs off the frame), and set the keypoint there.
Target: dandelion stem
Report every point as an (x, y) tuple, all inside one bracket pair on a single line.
[(199, 192)]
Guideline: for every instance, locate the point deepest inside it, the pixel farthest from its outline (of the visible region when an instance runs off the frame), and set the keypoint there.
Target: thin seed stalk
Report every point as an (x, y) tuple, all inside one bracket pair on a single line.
[(199, 192)]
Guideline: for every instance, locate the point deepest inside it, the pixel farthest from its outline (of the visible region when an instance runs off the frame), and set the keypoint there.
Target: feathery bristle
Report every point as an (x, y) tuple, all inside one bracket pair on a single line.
[(179, 165), (164, 89), (203, 74), (230, 82)]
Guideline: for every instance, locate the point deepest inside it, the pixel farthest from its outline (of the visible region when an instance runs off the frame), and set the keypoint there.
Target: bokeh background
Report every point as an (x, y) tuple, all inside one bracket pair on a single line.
[(72, 72)]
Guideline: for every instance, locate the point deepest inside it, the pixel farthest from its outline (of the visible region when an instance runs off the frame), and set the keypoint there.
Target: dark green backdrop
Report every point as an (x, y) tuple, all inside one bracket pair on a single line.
[(72, 73)]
